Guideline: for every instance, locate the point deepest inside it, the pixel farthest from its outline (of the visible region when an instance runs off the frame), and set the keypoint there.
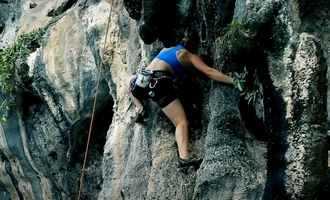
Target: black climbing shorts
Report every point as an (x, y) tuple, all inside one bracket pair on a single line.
[(160, 89)]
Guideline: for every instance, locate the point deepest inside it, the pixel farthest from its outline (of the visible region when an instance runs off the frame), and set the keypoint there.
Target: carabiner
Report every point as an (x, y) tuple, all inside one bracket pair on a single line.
[(153, 85)]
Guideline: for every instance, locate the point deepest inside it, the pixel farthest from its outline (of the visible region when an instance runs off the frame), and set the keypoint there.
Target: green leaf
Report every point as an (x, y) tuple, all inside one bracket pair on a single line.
[(9, 67)]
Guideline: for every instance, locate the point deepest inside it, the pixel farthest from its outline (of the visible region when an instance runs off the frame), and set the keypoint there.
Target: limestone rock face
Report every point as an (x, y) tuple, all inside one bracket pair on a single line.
[(9, 17), (43, 141), (269, 143)]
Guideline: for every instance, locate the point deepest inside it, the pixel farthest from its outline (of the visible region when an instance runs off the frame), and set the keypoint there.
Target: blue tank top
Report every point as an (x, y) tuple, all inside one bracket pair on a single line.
[(169, 56)]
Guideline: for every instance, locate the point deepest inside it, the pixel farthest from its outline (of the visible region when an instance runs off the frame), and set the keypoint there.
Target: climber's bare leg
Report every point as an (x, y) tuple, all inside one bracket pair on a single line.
[(175, 112)]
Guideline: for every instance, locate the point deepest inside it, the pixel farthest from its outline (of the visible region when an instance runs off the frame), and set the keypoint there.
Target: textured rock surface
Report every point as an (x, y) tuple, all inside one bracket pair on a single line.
[(43, 141), (274, 148), (9, 17)]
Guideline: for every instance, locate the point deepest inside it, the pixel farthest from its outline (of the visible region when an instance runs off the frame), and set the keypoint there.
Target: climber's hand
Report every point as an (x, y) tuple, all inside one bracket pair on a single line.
[(239, 84), (238, 81)]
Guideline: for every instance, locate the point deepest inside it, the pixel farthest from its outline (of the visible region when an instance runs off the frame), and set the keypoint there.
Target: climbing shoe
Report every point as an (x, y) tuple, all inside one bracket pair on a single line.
[(190, 161)]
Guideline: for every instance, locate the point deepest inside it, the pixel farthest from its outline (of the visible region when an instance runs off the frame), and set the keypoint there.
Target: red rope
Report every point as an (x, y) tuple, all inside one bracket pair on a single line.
[(88, 139), (81, 182)]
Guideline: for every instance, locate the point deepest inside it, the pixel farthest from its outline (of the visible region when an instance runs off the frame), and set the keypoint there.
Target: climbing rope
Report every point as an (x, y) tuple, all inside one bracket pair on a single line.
[(94, 108)]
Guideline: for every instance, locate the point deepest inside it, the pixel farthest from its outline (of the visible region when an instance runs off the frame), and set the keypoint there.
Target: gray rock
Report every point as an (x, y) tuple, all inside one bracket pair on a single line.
[(285, 47)]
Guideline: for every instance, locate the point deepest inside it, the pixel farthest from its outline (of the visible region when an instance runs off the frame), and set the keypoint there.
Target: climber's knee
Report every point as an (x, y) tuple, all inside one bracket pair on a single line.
[(182, 124)]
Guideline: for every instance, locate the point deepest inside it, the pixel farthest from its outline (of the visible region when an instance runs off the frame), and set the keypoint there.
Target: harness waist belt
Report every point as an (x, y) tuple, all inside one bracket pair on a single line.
[(160, 73)]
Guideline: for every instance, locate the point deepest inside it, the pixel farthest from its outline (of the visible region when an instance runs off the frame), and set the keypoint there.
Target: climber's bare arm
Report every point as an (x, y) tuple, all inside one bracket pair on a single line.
[(210, 72), (136, 101)]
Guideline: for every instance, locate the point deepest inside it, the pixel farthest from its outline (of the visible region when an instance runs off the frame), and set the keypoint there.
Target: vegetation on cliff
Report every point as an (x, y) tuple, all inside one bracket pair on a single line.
[(12, 62)]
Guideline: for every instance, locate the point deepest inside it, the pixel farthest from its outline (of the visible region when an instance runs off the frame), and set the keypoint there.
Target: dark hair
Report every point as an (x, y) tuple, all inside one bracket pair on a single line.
[(191, 41), (169, 43), (168, 38)]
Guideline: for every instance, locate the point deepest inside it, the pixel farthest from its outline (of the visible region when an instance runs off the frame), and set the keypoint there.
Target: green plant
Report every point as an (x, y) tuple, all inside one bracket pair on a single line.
[(11, 60), (234, 39), (253, 95), (254, 91), (233, 28)]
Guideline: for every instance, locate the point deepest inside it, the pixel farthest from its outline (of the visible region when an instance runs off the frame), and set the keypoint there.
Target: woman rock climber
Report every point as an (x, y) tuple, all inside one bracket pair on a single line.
[(156, 82)]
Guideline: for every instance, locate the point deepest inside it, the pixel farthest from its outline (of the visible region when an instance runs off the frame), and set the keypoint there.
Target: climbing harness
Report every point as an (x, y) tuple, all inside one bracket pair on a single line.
[(160, 88), (147, 81), (93, 111), (143, 77)]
